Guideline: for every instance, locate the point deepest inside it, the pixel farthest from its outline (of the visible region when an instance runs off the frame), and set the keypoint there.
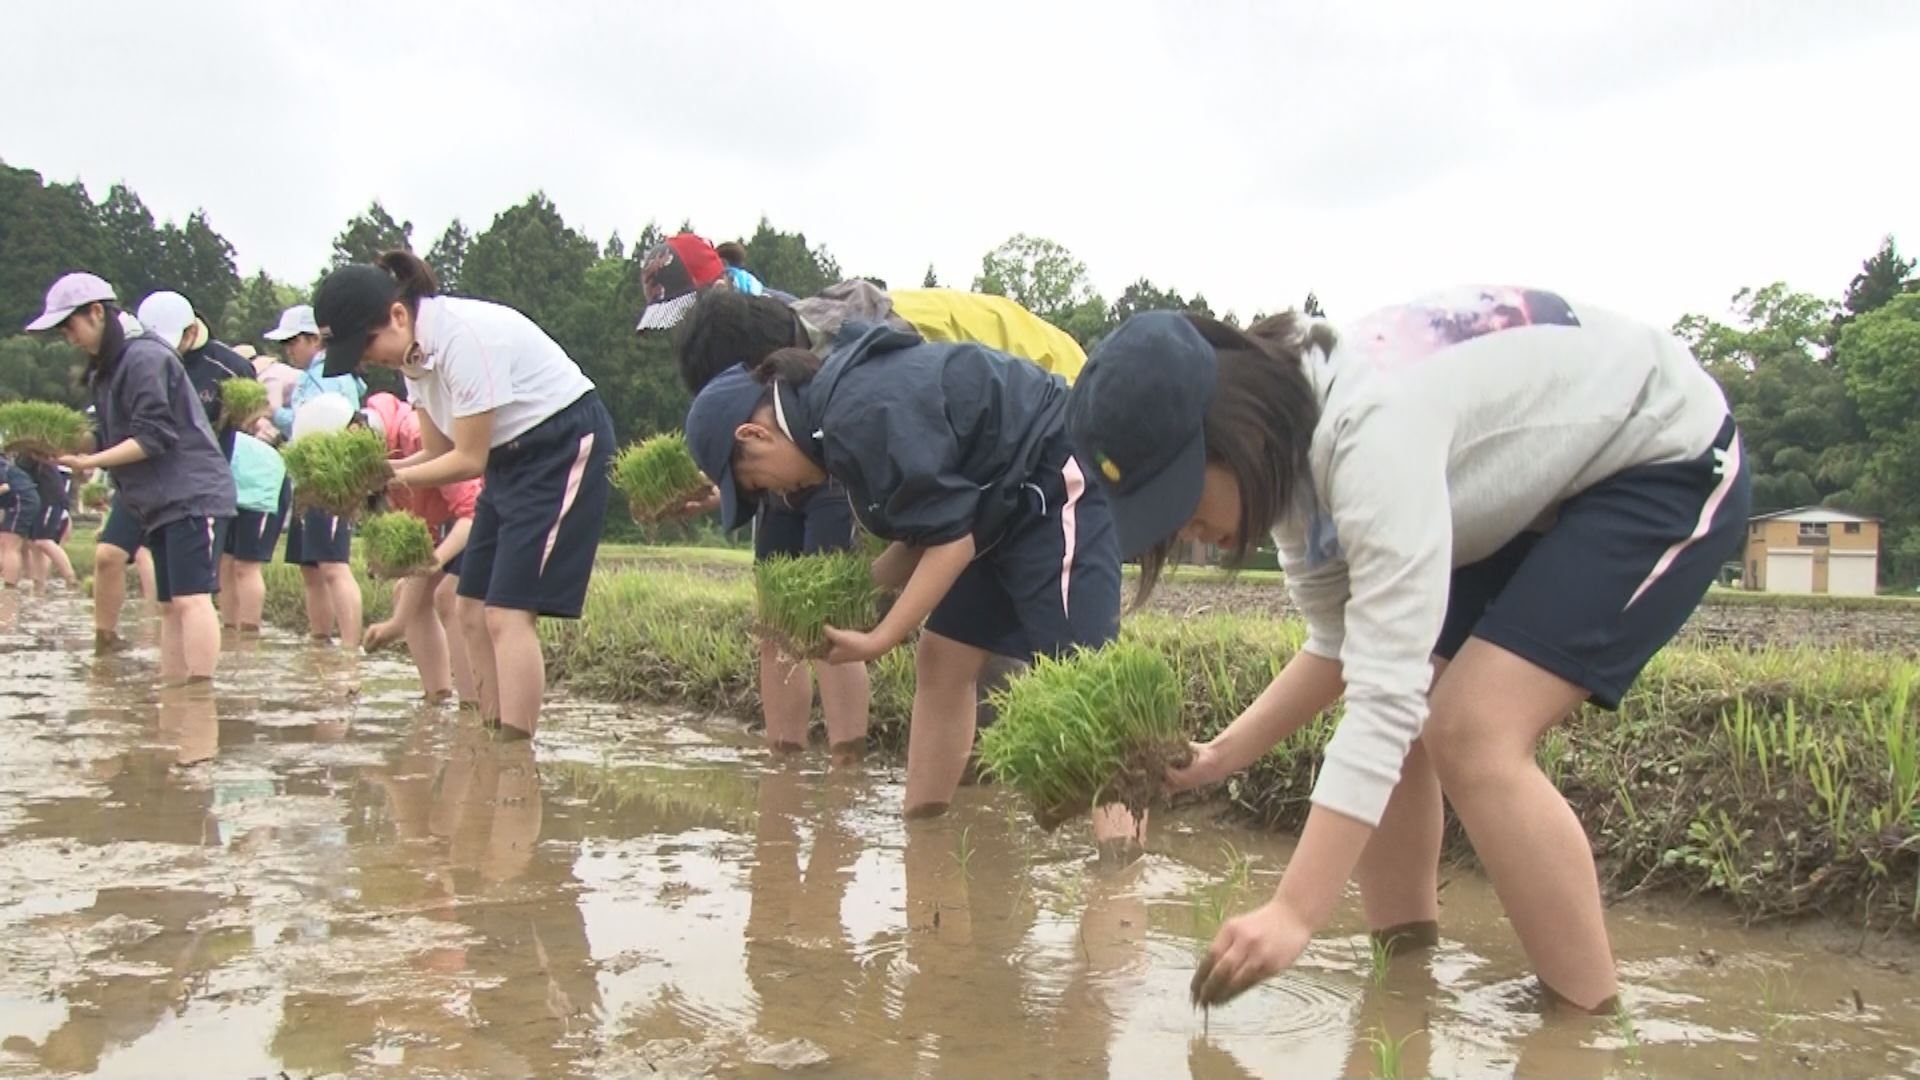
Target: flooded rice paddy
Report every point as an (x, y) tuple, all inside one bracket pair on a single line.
[(306, 872)]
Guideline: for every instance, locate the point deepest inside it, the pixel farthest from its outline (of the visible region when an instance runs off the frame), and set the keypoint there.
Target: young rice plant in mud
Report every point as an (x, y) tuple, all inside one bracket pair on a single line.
[(397, 544), (242, 401), (797, 598), (657, 475), (1100, 726), (1389, 1053), (336, 471), (42, 429)]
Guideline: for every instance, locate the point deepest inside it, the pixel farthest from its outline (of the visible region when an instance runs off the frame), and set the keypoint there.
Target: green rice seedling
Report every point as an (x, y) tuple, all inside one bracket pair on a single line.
[(1100, 726), (242, 401), (963, 850), (658, 476), (43, 429), (396, 544), (1239, 867), (1388, 1052), (797, 598), (336, 471)]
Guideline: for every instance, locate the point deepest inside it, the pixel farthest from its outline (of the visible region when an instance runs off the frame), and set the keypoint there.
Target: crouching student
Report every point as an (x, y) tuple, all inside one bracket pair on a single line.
[(423, 604), (958, 456), (164, 460), (1492, 506), (19, 516), (495, 397), (45, 555)]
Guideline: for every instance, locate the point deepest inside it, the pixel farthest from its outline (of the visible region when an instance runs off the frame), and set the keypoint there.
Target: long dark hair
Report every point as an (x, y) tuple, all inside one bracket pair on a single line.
[(1259, 424), (411, 276), (113, 341)]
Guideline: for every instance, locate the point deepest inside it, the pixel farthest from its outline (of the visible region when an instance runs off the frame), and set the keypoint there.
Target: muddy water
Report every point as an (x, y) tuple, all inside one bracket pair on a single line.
[(304, 872)]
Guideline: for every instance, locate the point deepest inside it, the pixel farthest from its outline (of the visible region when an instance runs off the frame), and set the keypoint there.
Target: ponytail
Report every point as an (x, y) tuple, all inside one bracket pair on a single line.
[(412, 277)]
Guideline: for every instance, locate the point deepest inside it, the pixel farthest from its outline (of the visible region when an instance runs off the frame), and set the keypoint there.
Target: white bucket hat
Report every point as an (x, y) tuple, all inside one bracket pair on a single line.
[(68, 295)]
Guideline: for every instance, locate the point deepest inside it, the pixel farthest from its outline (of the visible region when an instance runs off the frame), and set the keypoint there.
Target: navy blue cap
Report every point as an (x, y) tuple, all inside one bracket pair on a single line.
[(717, 412), (1138, 413)]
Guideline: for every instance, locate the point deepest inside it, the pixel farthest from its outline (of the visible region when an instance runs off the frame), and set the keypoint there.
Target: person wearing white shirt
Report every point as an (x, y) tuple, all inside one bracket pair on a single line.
[(496, 397), (1492, 505)]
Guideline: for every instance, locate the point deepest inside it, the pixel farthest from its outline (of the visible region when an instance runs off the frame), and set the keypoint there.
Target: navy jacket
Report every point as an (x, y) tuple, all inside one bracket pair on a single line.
[(207, 367), (933, 440), (21, 493), (147, 397)]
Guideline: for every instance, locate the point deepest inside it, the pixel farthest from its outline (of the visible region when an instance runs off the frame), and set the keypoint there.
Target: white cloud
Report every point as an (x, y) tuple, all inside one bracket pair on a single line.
[(1650, 155)]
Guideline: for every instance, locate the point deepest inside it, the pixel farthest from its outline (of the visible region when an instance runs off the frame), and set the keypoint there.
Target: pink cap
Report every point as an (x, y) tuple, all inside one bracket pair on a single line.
[(68, 295)]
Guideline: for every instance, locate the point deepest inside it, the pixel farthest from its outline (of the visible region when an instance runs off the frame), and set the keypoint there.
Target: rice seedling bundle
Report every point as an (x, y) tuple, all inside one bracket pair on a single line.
[(396, 544), (798, 597), (43, 429), (658, 476), (1098, 727), (337, 471), (242, 401)]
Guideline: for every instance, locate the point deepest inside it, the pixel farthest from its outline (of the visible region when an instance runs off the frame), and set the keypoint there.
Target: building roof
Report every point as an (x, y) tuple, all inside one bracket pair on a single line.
[(1814, 514)]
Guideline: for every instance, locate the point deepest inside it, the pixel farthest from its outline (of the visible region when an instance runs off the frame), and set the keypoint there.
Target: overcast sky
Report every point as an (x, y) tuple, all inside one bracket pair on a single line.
[(1653, 156)]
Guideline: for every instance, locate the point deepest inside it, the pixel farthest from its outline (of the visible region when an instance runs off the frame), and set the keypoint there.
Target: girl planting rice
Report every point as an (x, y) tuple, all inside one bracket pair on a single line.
[(424, 603), (164, 459), (1491, 506), (957, 455), (495, 396), (724, 327)]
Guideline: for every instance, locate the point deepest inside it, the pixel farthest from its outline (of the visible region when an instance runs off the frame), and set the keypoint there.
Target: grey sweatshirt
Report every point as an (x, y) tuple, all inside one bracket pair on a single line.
[(1448, 427)]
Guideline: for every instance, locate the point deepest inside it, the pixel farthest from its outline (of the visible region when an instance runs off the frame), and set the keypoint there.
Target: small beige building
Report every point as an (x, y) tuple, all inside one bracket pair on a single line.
[(1813, 549)]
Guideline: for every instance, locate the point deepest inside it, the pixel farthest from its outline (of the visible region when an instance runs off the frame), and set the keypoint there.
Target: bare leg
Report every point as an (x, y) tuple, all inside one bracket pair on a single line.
[(786, 698), (319, 603), (56, 557), (109, 590), (846, 697), (199, 628), (173, 644), (941, 736), (445, 596), (143, 563), (1399, 872), (344, 593), (521, 669), (249, 593), (486, 673), (1489, 709), (428, 642), (229, 600)]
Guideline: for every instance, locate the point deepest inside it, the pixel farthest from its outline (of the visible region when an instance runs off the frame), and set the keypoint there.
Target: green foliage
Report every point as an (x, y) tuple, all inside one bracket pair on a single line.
[(657, 476), (448, 257), (786, 261), (396, 544), (40, 369), (43, 429), (337, 471), (242, 401), (367, 235), (1040, 274), (1144, 295), (1096, 727), (797, 598), (1881, 278), (256, 310)]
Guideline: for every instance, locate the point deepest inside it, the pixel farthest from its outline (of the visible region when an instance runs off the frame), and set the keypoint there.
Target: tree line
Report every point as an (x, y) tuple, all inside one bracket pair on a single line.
[(1824, 389)]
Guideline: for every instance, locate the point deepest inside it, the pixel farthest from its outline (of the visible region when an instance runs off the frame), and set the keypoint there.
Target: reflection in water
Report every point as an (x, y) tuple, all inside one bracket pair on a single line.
[(304, 870)]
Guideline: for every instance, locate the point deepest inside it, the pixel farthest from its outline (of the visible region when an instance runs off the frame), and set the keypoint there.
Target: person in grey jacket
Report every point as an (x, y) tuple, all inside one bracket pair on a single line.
[(155, 441)]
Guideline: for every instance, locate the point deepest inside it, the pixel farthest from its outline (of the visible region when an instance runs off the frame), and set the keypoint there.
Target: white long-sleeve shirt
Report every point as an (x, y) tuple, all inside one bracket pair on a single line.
[(1448, 427)]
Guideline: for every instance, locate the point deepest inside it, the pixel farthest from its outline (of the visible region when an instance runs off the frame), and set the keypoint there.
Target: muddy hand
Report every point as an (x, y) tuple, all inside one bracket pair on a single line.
[(1248, 949), (1196, 770)]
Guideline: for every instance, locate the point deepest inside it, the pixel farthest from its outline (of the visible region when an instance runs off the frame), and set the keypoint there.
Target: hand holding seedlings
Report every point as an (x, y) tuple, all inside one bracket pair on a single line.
[(1248, 949)]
